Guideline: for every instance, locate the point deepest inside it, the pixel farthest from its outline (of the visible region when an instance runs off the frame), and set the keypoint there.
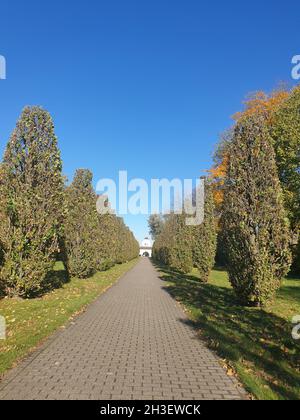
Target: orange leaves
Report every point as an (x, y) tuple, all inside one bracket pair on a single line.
[(260, 103), (218, 174)]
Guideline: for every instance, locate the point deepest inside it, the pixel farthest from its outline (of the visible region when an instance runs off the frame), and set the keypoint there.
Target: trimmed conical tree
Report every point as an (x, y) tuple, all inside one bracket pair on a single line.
[(128, 247), (204, 237), (254, 224), (81, 225), (181, 250), (32, 203), (173, 245), (107, 241)]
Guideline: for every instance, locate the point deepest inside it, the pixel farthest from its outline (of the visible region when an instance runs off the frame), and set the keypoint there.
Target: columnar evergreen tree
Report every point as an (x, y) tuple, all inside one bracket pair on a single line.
[(128, 247), (173, 245), (161, 251), (115, 243), (254, 224), (31, 203), (81, 225), (107, 241), (93, 241), (204, 241), (181, 257)]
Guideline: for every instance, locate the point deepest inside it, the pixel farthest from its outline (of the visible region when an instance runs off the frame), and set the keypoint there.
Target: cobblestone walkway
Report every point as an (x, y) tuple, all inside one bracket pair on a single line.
[(132, 343)]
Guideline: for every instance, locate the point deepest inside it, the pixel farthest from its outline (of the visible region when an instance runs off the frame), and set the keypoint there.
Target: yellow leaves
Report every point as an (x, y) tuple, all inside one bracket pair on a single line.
[(218, 174), (260, 103), (229, 369)]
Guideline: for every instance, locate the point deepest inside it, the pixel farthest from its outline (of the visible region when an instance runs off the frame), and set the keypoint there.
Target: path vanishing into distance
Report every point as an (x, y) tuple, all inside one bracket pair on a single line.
[(132, 343)]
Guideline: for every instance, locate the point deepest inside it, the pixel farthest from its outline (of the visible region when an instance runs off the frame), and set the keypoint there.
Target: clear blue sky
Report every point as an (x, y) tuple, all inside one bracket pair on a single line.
[(145, 86)]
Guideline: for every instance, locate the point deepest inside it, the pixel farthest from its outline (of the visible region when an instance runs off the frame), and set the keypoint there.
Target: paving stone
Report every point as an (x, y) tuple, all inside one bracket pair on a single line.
[(133, 342)]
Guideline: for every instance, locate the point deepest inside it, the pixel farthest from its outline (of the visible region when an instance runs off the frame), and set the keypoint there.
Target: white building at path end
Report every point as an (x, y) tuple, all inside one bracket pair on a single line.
[(146, 248)]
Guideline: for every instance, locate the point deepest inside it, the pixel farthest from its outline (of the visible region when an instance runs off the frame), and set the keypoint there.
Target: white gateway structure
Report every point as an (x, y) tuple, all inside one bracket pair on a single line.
[(146, 248)]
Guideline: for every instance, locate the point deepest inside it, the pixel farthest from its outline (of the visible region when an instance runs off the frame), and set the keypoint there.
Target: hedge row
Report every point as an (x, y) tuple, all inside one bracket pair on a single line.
[(43, 220), (183, 247), (256, 192)]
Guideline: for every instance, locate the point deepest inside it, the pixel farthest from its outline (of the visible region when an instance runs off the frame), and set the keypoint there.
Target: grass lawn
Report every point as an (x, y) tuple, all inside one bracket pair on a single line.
[(256, 343), (29, 322)]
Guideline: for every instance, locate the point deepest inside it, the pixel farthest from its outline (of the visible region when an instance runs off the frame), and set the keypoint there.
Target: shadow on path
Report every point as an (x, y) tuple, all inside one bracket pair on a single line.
[(257, 342)]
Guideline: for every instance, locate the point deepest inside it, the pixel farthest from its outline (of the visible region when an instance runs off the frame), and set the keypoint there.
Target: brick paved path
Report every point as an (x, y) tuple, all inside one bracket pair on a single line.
[(131, 343)]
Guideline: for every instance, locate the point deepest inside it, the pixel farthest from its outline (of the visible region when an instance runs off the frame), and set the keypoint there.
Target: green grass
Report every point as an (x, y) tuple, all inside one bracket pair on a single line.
[(29, 322), (256, 343)]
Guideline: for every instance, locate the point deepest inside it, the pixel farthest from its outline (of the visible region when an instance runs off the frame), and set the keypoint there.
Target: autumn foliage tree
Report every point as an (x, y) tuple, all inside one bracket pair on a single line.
[(280, 111), (255, 229), (257, 104), (31, 204)]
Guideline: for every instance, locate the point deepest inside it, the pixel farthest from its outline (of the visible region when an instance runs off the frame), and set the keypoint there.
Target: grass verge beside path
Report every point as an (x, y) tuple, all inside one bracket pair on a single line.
[(256, 343), (31, 321)]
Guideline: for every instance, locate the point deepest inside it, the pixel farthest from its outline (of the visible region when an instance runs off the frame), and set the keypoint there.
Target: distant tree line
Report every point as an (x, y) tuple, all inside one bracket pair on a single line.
[(42, 220), (255, 184)]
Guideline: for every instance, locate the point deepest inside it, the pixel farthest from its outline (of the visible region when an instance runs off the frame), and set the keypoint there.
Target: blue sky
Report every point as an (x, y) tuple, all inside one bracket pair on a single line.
[(142, 86)]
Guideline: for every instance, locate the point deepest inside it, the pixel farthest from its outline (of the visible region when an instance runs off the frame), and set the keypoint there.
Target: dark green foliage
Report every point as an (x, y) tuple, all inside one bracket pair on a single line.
[(81, 225), (254, 225), (173, 246), (31, 204), (295, 268), (204, 239), (220, 254), (285, 132)]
